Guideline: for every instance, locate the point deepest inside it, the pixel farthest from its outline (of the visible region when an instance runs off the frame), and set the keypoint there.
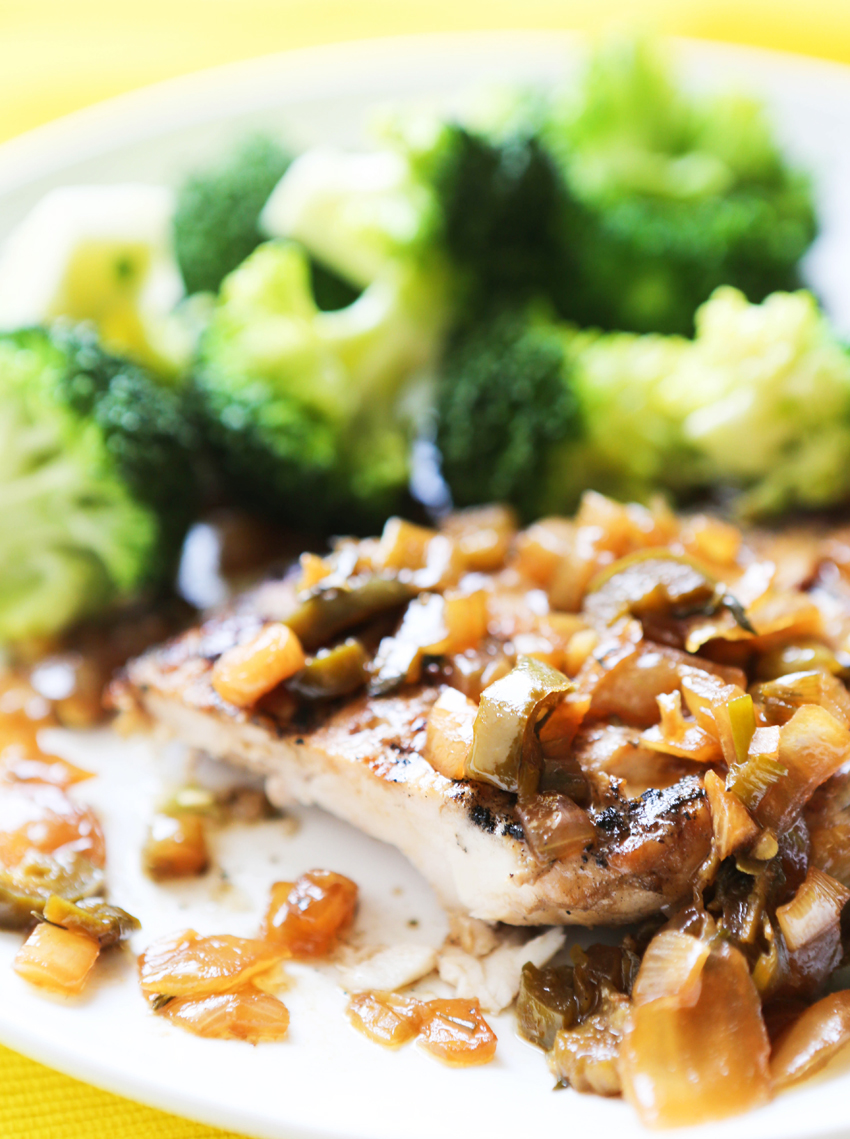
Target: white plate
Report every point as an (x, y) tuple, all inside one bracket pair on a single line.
[(325, 1080)]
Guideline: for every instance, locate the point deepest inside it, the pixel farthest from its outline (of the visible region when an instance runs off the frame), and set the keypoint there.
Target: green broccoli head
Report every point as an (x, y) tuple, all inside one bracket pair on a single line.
[(215, 222), (302, 406), (679, 195), (763, 399), (95, 480), (502, 212), (508, 423)]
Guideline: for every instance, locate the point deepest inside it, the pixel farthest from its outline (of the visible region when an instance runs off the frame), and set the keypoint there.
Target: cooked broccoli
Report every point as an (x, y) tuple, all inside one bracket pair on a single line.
[(681, 195), (759, 402), (215, 223), (302, 406), (95, 480), (763, 399), (507, 414)]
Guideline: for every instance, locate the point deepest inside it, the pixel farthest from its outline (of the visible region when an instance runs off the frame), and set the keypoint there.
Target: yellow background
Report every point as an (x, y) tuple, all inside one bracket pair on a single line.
[(59, 55)]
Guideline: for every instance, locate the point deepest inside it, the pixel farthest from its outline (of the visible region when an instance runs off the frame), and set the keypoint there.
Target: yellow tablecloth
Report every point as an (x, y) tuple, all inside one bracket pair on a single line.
[(58, 55)]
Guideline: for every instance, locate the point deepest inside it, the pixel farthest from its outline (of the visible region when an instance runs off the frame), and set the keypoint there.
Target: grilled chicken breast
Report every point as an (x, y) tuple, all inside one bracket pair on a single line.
[(363, 761)]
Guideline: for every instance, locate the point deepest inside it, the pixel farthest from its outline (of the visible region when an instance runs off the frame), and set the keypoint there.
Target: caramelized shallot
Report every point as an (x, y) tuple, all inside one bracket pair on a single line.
[(455, 1032), (246, 1014), (188, 965), (391, 1019), (812, 1040), (698, 1056), (307, 917), (56, 959)]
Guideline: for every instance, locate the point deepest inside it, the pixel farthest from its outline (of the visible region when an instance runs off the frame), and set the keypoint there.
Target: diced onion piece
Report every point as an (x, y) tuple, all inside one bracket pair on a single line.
[(307, 917), (780, 698), (483, 534), (811, 1042), (42, 817), (731, 822), (313, 570), (465, 618), (508, 714), (671, 969), (812, 746), (626, 683), (391, 1019), (579, 647), (541, 548), (188, 965), (675, 735), (176, 847), (725, 711), (455, 1032), (403, 545), (811, 926), (814, 909), (684, 1063), (448, 737), (555, 827), (828, 821), (710, 539), (244, 1015), (546, 1003), (246, 672), (57, 959)]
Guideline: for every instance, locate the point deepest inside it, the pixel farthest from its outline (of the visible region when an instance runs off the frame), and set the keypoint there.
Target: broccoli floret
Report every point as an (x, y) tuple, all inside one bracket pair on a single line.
[(758, 403), (507, 413), (763, 399), (502, 212), (95, 480), (215, 223), (302, 406), (680, 195)]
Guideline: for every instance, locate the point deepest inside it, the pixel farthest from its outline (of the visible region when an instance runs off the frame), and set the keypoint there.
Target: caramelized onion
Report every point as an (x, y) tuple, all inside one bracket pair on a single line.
[(391, 1019), (690, 1063), (671, 969), (675, 735), (448, 736), (187, 965), (244, 1015), (812, 746), (731, 822), (555, 827), (811, 926), (455, 1032), (779, 699), (307, 917), (811, 1042)]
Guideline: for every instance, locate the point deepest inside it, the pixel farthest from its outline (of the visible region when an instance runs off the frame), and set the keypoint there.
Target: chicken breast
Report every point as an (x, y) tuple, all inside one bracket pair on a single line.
[(363, 761)]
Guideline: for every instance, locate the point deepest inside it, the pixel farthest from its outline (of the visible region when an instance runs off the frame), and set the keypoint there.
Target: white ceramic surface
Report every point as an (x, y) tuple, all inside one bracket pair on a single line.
[(325, 1081)]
